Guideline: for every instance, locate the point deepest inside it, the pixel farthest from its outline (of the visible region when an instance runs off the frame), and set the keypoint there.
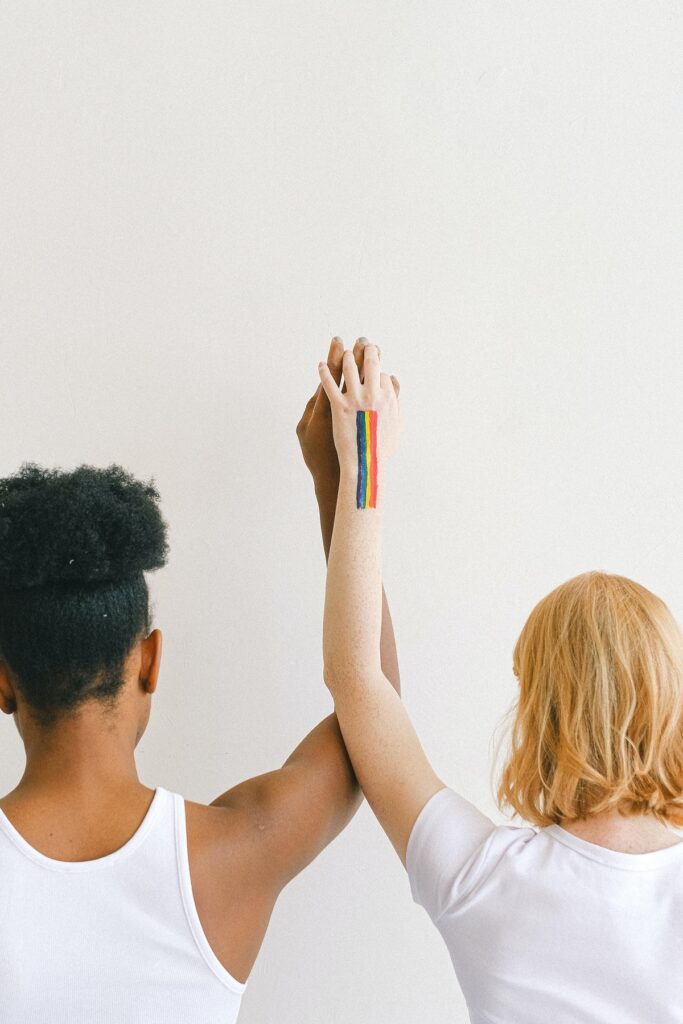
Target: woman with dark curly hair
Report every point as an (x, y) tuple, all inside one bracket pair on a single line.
[(122, 904)]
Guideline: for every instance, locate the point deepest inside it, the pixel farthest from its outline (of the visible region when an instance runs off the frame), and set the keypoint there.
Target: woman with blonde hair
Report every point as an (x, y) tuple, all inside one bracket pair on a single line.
[(578, 915)]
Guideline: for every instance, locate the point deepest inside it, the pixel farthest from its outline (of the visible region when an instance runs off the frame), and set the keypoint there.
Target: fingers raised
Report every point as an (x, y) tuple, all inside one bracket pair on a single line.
[(358, 355), (351, 375), (329, 384), (371, 367), (354, 372), (334, 358), (334, 361)]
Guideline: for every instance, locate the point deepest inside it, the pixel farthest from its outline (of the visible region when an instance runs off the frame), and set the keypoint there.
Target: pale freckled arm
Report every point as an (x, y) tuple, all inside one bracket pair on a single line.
[(386, 754)]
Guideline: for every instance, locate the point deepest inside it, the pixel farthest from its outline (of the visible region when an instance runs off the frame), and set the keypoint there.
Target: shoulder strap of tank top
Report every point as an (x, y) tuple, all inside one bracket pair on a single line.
[(185, 882)]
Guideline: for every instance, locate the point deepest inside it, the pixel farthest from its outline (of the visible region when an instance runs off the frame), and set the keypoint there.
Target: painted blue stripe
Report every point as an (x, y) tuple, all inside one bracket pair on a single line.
[(362, 459)]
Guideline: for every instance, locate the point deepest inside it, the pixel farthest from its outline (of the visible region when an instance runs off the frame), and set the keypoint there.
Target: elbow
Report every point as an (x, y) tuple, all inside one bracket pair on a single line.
[(333, 675), (347, 676), (328, 676)]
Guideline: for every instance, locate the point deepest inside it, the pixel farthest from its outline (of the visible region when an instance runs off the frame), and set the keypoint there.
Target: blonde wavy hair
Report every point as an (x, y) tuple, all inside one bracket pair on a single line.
[(598, 722)]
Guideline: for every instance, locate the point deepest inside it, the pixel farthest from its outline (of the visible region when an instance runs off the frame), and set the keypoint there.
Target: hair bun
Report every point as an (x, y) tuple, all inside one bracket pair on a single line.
[(87, 525)]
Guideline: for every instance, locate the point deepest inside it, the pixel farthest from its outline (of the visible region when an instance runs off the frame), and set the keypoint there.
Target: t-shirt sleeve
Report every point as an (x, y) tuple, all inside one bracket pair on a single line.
[(447, 833)]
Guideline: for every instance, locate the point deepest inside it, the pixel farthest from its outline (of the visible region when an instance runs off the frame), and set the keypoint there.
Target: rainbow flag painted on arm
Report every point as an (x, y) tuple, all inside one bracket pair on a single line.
[(366, 435)]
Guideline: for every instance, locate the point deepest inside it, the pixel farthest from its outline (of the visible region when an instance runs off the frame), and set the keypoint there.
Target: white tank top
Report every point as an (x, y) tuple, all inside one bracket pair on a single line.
[(116, 940)]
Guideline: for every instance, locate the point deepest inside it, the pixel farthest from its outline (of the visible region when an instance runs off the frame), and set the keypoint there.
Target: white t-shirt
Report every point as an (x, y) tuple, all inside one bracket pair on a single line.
[(546, 928)]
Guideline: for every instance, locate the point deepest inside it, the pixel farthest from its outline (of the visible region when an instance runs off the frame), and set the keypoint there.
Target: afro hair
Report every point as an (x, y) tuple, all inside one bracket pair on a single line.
[(73, 597), (89, 525)]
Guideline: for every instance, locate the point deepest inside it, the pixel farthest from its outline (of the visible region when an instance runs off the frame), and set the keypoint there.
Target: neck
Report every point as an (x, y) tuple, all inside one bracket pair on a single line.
[(86, 755), (636, 833)]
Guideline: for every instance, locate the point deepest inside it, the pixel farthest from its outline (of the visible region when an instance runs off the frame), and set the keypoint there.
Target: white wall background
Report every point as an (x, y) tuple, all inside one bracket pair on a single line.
[(195, 197)]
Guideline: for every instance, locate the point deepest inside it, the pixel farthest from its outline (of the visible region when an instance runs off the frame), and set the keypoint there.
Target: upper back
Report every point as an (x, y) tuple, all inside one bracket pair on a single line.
[(117, 939), (542, 925)]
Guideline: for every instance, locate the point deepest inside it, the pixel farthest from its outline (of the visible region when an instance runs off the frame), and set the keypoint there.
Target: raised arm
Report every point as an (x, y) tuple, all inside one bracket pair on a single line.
[(386, 754), (299, 808), (314, 431)]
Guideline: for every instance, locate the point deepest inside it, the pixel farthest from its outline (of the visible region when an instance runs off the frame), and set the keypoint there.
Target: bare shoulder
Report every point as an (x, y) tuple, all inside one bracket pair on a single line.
[(215, 833), (230, 838), (233, 899)]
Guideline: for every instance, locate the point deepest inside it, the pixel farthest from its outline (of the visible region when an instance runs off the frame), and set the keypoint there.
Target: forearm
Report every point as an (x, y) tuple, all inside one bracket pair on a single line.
[(386, 755), (326, 494), (352, 622)]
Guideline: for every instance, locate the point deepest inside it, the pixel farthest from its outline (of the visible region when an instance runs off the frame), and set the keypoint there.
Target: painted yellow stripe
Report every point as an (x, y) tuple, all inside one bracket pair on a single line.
[(368, 459)]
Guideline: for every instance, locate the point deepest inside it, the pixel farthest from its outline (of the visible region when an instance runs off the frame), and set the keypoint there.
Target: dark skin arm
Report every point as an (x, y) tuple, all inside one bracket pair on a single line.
[(280, 821)]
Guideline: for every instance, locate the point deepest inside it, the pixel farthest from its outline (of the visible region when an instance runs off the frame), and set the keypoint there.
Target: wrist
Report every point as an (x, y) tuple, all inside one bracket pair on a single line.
[(356, 491), (326, 494), (349, 467), (326, 474)]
